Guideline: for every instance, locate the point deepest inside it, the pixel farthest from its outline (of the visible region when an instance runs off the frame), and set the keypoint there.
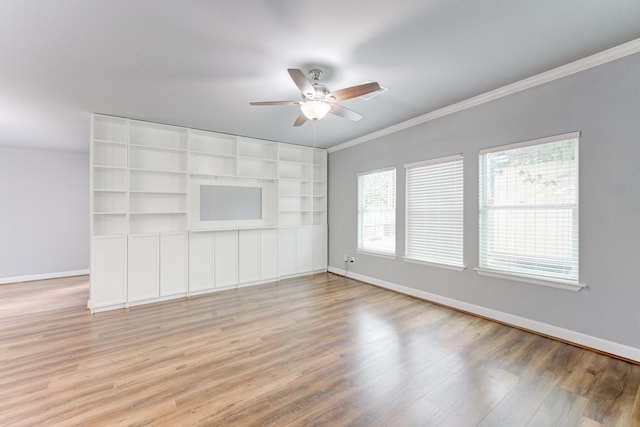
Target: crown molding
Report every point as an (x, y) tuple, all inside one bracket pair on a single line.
[(574, 67)]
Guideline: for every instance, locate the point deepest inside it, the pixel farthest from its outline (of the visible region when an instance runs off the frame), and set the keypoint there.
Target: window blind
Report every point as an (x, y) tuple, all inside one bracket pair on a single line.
[(529, 209), (435, 211), (377, 211)]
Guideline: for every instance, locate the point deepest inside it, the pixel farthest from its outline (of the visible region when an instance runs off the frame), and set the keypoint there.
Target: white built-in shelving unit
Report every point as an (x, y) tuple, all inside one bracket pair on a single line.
[(257, 159), (302, 209), (302, 179), (319, 205), (157, 178), (225, 156), (109, 177), (109, 210), (212, 155), (144, 246)]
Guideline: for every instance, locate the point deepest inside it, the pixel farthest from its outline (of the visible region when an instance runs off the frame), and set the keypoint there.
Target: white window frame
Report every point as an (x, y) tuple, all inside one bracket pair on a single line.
[(541, 279), (447, 253), (372, 250)]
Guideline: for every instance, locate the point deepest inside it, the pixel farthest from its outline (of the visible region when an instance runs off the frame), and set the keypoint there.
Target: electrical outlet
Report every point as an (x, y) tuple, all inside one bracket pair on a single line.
[(353, 259), (346, 257)]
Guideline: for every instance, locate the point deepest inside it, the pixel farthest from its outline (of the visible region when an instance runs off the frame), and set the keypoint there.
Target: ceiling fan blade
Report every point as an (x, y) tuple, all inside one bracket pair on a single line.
[(301, 81), (300, 120), (354, 91), (275, 103), (343, 112)]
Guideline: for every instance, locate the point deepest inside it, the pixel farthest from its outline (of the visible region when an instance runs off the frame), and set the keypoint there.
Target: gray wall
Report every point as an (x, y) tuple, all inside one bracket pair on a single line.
[(44, 214), (604, 104)]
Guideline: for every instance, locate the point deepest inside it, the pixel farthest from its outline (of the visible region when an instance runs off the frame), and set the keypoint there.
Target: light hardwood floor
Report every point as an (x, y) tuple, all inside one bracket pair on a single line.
[(316, 351)]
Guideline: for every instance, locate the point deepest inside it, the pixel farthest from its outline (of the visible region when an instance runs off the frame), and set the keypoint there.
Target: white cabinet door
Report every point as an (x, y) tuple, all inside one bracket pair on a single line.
[(319, 250), (303, 249), (249, 255), (108, 272), (268, 254), (226, 258), (173, 264), (286, 252), (200, 261), (143, 267)]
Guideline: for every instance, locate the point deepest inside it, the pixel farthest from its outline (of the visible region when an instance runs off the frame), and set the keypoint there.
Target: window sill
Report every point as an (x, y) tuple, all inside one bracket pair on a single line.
[(378, 254), (575, 287), (434, 264)]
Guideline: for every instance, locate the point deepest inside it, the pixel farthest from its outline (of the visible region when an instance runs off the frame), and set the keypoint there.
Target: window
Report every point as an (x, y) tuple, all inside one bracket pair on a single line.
[(377, 211), (529, 209), (435, 211)]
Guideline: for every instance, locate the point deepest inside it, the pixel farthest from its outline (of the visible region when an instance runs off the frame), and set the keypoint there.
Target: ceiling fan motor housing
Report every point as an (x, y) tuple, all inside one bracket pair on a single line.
[(320, 94), (321, 91)]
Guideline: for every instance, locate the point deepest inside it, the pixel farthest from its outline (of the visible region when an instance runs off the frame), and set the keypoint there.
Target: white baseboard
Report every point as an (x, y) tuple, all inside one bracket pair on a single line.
[(102, 308), (180, 295), (578, 338), (305, 273), (16, 279)]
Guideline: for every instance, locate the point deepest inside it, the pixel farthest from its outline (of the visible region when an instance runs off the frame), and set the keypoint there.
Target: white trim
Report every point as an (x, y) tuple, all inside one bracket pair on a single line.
[(376, 171), (16, 279), (145, 301), (378, 254), (107, 307), (552, 283), (579, 338), (574, 67), (434, 264), (546, 139), (294, 275), (435, 161)]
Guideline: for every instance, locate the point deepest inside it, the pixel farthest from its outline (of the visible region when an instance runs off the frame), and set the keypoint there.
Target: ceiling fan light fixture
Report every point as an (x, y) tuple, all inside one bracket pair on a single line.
[(315, 110), (317, 101)]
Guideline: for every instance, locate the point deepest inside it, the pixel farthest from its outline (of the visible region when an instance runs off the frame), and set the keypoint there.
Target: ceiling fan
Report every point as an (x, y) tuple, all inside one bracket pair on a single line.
[(317, 101)]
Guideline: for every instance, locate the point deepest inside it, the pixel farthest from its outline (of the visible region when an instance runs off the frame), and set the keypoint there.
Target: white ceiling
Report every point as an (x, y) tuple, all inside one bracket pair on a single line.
[(199, 63)]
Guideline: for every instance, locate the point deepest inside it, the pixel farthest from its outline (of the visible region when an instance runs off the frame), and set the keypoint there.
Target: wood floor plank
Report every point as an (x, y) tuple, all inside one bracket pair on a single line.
[(560, 408), (634, 417), (319, 350), (384, 397), (612, 395), (588, 422), (519, 406), (482, 397)]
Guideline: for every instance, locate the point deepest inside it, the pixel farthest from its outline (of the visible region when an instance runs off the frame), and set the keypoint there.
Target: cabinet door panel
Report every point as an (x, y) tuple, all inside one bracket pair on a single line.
[(226, 258), (109, 271), (200, 261), (249, 256), (286, 252), (143, 268), (173, 264), (319, 247), (303, 250), (268, 254)]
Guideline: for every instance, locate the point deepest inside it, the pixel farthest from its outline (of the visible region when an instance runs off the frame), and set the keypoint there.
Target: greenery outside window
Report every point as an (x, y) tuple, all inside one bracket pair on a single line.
[(377, 211)]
